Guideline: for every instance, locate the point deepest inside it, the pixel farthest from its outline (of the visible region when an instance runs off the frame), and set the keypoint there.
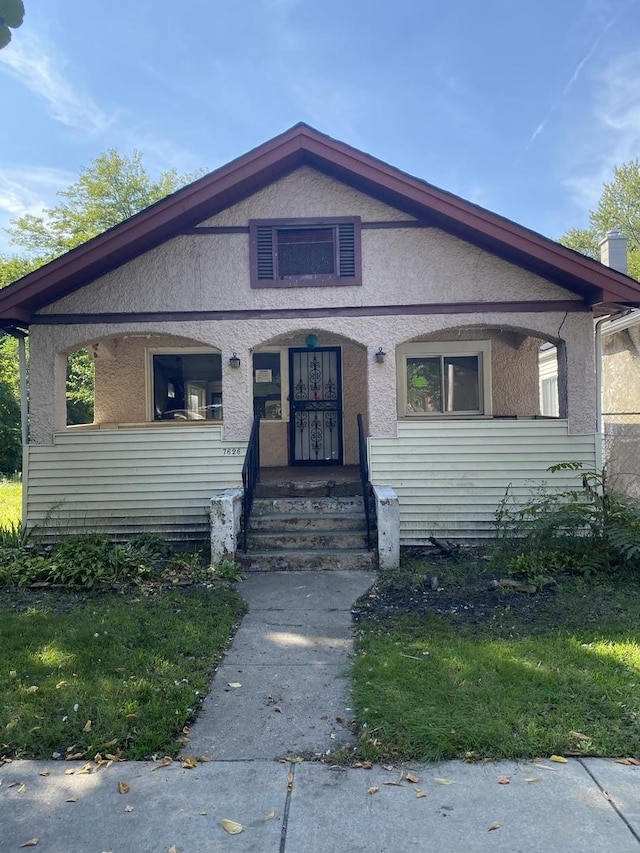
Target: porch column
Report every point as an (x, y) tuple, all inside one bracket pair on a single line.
[(578, 359), (47, 388), (381, 390), (237, 396)]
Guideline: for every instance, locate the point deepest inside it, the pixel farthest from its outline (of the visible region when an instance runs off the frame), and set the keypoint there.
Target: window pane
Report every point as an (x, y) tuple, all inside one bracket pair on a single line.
[(305, 251), (424, 385), (267, 385), (187, 386), (462, 390)]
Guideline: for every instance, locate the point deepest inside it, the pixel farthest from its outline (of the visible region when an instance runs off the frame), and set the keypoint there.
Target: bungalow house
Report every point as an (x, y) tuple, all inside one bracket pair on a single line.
[(308, 282)]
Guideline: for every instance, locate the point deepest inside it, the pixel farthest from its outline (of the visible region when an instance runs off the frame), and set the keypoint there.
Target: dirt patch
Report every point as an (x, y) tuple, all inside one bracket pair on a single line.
[(465, 591)]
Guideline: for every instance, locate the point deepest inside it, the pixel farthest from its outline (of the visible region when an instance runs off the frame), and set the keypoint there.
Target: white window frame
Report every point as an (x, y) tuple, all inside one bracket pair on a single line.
[(149, 354), (429, 349), (284, 381)]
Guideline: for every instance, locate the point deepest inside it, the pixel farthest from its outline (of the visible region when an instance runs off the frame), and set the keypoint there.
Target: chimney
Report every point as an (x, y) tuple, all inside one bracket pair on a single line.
[(613, 251)]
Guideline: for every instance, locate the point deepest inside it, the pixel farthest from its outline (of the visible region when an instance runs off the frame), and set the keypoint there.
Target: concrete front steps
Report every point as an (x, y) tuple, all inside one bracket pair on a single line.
[(307, 533)]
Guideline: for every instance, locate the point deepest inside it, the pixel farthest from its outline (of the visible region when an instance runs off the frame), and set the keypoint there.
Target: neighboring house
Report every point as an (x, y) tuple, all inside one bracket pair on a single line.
[(308, 282), (619, 382)]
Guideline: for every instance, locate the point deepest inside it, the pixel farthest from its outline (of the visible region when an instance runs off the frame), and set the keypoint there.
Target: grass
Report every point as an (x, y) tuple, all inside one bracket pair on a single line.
[(557, 673), (82, 673), (10, 502)]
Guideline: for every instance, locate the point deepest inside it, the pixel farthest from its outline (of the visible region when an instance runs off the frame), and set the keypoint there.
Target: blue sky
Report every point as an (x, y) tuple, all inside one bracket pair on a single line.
[(522, 106)]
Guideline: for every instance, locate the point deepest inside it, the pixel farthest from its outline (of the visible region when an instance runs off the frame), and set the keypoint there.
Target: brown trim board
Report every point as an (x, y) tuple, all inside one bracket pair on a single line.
[(286, 313)]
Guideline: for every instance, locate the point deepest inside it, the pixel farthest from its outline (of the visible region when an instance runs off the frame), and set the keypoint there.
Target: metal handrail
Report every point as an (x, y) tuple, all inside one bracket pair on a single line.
[(364, 477), (250, 476)]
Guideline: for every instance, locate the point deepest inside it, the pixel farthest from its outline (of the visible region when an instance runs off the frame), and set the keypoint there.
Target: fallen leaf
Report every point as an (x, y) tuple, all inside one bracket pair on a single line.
[(387, 767), (22, 788), (87, 726), (123, 788), (494, 826), (440, 781), (544, 767), (190, 763), (44, 773), (580, 736), (395, 783), (128, 809), (533, 779), (559, 759), (75, 756), (411, 777), (33, 689), (289, 782), (165, 762), (32, 842), (12, 784), (234, 684), (60, 684), (172, 849), (420, 793), (363, 765), (504, 780), (373, 789), (69, 772), (86, 768), (231, 826), (269, 816), (72, 800), (629, 761), (277, 709)]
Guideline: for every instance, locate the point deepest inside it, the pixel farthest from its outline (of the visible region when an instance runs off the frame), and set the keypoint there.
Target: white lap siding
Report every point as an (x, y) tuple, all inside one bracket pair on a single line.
[(130, 480), (450, 476)]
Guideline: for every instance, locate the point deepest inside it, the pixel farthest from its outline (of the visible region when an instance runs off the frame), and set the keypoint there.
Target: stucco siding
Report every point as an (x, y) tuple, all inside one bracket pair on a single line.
[(122, 481), (211, 272), (450, 477)]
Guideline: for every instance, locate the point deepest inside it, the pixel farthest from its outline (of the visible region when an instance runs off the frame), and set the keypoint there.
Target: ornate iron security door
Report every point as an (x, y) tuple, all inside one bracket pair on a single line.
[(315, 400)]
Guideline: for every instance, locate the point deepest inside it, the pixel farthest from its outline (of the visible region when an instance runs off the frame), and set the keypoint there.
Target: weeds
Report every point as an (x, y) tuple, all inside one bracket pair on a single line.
[(582, 530)]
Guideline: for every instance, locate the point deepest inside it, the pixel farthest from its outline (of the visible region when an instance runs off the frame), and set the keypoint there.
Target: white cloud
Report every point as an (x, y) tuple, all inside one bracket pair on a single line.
[(27, 190), (615, 136), (33, 62)]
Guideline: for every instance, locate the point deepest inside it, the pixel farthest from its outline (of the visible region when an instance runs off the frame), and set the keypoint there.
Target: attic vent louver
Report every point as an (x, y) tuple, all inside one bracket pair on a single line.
[(264, 242), (347, 249)]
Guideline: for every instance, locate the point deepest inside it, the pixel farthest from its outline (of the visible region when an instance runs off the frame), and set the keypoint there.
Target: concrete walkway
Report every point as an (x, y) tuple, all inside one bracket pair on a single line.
[(290, 653), (290, 657)]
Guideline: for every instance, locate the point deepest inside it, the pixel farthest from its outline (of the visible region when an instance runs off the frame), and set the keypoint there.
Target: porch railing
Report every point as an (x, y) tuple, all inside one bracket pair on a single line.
[(250, 476), (364, 477)]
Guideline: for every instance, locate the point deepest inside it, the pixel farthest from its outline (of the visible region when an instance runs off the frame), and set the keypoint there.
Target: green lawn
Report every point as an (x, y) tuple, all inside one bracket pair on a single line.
[(10, 502), (95, 673), (519, 677)]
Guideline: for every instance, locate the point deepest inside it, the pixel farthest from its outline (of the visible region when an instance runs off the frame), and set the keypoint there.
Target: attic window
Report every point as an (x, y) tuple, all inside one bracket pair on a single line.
[(305, 252)]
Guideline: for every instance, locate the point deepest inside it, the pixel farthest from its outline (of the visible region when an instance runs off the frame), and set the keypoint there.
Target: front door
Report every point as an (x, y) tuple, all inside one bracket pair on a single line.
[(315, 399)]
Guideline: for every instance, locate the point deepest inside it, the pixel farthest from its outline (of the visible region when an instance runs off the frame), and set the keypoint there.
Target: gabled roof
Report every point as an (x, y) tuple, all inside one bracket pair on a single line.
[(598, 286)]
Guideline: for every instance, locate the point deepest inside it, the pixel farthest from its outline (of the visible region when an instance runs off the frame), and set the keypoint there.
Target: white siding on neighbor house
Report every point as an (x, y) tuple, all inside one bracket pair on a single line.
[(450, 476), (130, 480)]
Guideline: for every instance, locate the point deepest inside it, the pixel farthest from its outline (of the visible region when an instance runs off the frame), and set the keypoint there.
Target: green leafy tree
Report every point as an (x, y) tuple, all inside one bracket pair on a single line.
[(618, 208), (11, 17), (10, 431), (111, 189)]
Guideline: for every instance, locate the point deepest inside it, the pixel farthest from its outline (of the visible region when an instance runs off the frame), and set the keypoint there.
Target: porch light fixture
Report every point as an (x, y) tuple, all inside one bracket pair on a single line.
[(234, 361), (380, 356), (311, 341)]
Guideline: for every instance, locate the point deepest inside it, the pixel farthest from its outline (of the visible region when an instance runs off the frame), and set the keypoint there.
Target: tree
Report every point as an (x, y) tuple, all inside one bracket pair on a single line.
[(11, 17), (618, 209), (111, 189)]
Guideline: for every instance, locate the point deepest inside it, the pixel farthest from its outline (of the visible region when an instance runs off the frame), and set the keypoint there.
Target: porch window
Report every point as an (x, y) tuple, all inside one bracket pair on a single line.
[(436, 379), (187, 386), (304, 252), (268, 373)]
